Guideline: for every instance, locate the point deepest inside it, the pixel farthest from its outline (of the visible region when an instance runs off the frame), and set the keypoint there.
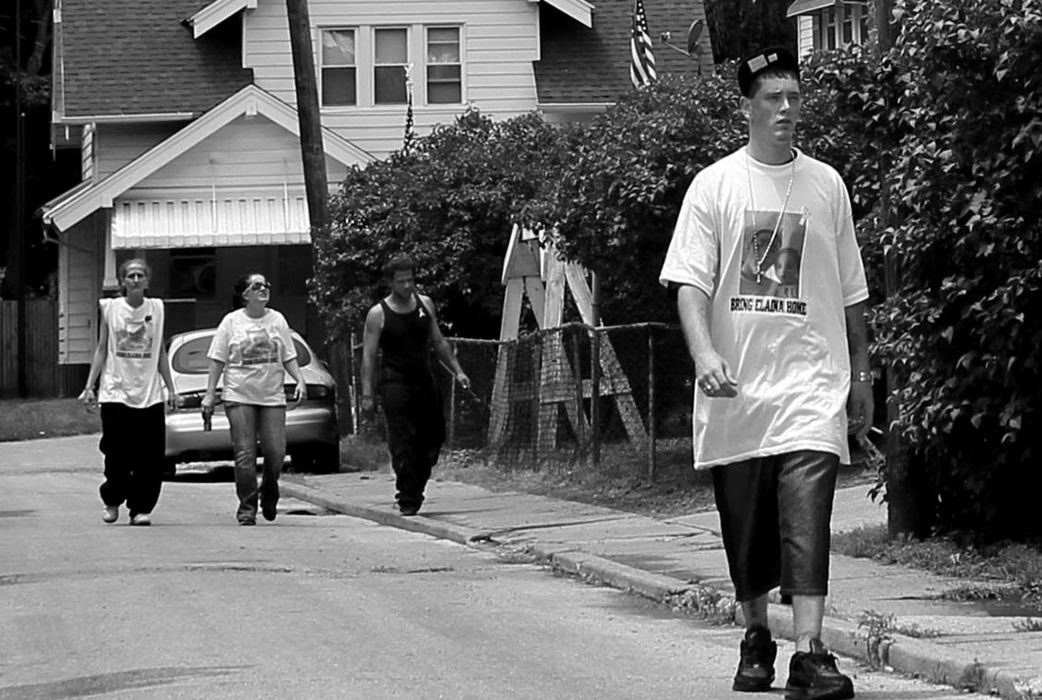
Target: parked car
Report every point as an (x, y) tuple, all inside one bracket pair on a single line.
[(312, 439)]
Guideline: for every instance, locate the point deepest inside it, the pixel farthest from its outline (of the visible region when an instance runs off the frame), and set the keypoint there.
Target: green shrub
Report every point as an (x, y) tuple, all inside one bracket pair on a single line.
[(965, 331)]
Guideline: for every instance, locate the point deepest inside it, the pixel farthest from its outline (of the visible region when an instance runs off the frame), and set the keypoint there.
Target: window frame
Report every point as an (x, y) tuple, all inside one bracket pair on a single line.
[(373, 65), (322, 67), (428, 64)]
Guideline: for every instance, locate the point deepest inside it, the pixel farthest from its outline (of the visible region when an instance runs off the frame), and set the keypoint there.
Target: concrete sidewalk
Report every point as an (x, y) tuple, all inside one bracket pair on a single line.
[(681, 562)]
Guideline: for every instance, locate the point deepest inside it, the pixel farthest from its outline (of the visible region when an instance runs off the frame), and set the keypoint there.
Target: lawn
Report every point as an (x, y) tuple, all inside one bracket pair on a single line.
[(29, 419)]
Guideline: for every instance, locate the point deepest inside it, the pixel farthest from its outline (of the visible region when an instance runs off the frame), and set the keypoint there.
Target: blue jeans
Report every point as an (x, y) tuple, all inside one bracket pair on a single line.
[(249, 424)]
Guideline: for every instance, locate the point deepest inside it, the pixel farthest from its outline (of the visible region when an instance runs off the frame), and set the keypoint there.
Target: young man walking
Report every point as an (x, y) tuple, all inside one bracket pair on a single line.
[(404, 327), (781, 364)]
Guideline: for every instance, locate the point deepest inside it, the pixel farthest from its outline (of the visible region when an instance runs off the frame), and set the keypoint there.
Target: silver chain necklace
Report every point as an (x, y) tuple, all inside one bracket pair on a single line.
[(761, 259)]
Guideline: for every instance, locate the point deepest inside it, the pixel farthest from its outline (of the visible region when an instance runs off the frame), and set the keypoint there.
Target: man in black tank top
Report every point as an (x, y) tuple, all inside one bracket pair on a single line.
[(404, 328)]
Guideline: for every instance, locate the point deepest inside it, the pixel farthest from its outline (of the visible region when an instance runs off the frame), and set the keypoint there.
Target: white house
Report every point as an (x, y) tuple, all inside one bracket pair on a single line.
[(184, 112), (829, 24)]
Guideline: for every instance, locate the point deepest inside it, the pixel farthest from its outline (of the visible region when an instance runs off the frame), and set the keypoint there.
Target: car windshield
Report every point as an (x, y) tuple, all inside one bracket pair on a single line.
[(191, 358)]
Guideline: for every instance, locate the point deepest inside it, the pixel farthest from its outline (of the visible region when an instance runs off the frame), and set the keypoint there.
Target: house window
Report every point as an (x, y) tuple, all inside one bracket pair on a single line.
[(848, 25), (830, 28), (863, 24), (444, 70), (390, 65), (193, 273), (338, 68)]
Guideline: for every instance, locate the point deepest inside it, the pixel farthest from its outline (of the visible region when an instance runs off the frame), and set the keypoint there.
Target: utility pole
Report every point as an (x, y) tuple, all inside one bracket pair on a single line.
[(904, 492), (21, 249), (310, 118)]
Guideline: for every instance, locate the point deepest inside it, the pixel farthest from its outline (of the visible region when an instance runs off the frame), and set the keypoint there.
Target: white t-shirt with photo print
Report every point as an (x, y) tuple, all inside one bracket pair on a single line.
[(253, 351), (779, 283), (135, 336)]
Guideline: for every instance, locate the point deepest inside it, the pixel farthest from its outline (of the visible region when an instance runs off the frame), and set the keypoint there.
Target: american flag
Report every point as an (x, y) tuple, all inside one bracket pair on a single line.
[(642, 64)]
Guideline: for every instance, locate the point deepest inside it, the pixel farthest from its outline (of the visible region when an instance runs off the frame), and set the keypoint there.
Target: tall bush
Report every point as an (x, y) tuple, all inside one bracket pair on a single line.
[(966, 328), (449, 202)]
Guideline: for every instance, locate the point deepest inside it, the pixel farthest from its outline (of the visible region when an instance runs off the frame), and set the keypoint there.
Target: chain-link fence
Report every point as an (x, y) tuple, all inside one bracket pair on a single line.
[(615, 398)]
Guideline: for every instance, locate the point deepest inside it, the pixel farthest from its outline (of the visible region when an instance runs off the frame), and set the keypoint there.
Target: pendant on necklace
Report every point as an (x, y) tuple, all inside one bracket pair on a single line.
[(759, 277)]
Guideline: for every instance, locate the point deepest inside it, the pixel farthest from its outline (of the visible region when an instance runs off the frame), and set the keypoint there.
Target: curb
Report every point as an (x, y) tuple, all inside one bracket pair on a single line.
[(903, 654)]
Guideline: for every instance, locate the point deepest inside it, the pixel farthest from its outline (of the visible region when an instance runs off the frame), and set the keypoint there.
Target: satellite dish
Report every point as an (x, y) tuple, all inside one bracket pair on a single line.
[(693, 34)]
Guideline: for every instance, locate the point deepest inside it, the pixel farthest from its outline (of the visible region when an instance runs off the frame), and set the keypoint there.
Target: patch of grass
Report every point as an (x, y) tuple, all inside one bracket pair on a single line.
[(1000, 571), (30, 419)]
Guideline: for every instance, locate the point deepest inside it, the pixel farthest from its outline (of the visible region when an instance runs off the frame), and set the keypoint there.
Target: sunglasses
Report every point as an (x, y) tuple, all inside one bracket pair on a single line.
[(257, 286)]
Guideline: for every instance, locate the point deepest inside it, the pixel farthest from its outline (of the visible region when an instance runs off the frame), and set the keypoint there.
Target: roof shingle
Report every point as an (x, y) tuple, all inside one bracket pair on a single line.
[(127, 57)]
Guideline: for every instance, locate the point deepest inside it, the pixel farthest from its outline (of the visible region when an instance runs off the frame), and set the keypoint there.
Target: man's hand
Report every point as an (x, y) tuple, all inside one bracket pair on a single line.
[(463, 379), (368, 408), (714, 377), (860, 408), (299, 392)]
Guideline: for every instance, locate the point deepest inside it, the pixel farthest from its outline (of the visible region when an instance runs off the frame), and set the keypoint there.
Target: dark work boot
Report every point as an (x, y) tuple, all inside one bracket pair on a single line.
[(756, 667), (813, 676)]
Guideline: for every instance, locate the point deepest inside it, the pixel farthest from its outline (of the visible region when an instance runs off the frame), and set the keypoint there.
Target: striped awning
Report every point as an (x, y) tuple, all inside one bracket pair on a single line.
[(272, 218)]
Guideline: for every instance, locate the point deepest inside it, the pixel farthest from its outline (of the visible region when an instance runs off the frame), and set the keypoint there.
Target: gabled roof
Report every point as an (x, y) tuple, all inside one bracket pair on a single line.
[(584, 65), (579, 10), (803, 7), (75, 205), (129, 57), (216, 12)]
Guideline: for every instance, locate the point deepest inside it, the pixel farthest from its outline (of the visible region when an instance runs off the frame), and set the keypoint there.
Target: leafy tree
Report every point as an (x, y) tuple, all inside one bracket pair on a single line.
[(966, 329), (737, 28), (450, 203)]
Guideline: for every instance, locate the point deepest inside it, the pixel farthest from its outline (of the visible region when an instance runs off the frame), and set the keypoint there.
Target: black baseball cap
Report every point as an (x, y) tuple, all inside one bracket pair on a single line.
[(773, 58)]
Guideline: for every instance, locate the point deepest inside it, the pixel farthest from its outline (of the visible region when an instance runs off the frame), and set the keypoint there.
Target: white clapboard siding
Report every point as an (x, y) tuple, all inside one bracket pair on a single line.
[(247, 153), (499, 41), (805, 34), (118, 144), (78, 290)]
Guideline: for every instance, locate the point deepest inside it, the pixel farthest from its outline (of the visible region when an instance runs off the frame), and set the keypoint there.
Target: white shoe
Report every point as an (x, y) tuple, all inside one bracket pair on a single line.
[(110, 514), (141, 519)]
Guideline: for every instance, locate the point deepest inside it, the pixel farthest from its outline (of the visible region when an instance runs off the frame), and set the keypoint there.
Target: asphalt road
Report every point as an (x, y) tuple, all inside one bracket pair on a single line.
[(318, 606)]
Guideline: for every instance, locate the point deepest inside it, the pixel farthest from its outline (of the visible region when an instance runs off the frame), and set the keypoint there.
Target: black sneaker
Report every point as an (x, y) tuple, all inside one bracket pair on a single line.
[(269, 510), (813, 676), (408, 510), (756, 667)]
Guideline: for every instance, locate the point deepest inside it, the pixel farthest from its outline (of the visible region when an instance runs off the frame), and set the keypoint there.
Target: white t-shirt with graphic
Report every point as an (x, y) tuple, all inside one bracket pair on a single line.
[(778, 283), (253, 350), (135, 336)]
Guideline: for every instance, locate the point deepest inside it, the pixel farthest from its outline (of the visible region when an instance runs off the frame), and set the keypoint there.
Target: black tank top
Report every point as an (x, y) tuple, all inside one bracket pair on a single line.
[(405, 341)]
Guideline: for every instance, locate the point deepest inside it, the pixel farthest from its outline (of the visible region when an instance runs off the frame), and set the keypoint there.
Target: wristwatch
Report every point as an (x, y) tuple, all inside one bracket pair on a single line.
[(863, 376)]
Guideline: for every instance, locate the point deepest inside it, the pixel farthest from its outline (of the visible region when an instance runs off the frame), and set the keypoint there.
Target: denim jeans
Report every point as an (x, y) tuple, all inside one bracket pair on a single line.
[(251, 423)]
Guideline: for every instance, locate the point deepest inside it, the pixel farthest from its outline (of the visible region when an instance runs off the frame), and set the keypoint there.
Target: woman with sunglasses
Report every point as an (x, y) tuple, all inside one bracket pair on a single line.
[(130, 359), (253, 350)]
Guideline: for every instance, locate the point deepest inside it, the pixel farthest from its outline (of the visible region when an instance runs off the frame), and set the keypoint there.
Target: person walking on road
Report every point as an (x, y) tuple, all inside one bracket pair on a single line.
[(405, 328), (130, 360), (780, 376), (253, 350)]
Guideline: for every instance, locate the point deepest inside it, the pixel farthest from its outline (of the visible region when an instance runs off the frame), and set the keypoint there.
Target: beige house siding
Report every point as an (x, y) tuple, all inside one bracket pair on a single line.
[(250, 152), (79, 270), (499, 41), (805, 34), (115, 145)]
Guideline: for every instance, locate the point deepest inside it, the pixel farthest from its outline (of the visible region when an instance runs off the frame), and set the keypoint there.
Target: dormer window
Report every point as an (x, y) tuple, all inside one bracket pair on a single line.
[(444, 68), (338, 70), (390, 64)]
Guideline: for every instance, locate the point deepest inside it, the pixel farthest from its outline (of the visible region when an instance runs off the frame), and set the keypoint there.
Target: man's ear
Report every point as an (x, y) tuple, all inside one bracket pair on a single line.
[(745, 107)]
